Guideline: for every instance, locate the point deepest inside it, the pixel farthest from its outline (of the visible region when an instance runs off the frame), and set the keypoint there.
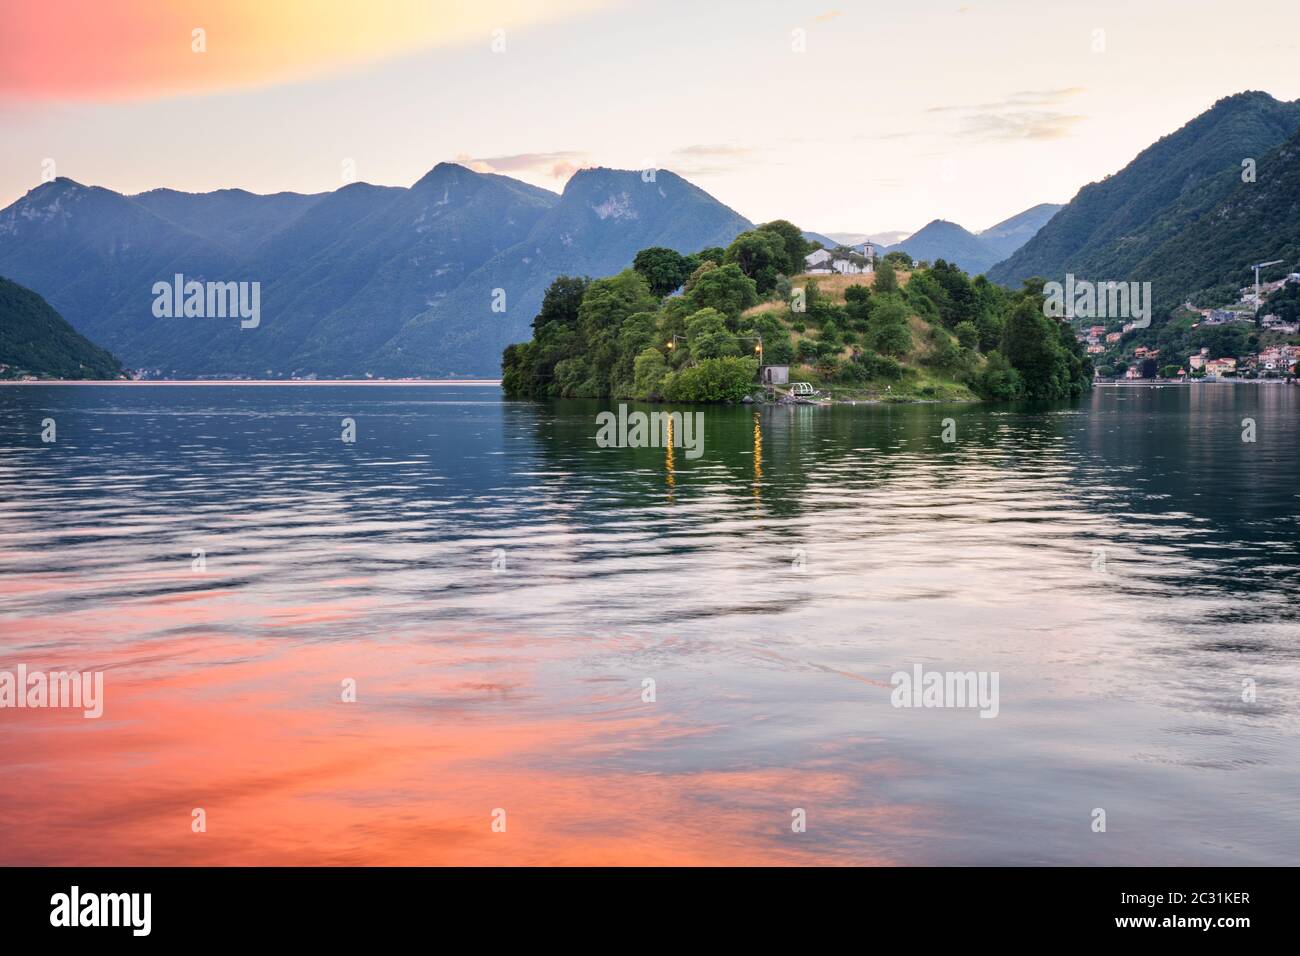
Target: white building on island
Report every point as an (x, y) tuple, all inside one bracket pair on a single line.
[(847, 262)]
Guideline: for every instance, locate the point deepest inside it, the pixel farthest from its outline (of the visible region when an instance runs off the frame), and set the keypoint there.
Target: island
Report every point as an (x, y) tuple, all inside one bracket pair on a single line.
[(772, 311)]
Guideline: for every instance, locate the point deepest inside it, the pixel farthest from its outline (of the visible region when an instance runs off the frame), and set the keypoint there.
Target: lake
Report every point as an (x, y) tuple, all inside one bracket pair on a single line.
[(473, 635)]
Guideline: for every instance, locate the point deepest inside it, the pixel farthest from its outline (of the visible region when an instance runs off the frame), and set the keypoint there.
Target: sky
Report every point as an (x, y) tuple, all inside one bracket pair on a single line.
[(840, 116)]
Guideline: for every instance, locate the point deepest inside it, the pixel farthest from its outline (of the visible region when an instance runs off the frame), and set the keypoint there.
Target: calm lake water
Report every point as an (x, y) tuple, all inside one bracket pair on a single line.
[(501, 589)]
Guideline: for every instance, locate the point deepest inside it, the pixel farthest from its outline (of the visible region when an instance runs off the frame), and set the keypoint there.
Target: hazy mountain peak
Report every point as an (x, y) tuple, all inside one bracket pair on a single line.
[(59, 186), (974, 252), (598, 177), (444, 174), (1043, 209), (55, 202)]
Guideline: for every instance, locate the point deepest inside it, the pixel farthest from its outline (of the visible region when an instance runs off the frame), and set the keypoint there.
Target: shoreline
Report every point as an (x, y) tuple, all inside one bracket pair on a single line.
[(1168, 383), (477, 382)]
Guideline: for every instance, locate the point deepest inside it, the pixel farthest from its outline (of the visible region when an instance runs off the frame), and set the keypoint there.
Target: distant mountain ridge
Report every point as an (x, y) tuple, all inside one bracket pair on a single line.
[(343, 274), (857, 238), (1010, 234), (604, 217), (826, 241), (232, 218), (1116, 229), (975, 252), (35, 340)]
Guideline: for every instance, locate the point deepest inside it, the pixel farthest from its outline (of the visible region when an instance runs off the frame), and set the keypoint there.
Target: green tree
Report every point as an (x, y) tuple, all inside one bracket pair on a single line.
[(638, 332), (665, 270), (561, 301), (761, 255), (887, 329), (725, 288), (990, 325), (707, 335), (998, 381), (968, 334), (713, 380), (516, 368), (528, 369), (796, 246), (714, 254), (944, 354), (650, 370), (876, 366), (960, 302), (607, 304), (1031, 344), (886, 280)]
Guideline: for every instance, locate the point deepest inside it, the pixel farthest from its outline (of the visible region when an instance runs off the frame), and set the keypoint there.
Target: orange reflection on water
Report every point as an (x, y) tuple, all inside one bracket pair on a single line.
[(443, 731)]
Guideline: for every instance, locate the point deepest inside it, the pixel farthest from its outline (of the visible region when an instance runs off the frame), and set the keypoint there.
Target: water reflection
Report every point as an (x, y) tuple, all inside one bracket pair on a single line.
[(520, 685)]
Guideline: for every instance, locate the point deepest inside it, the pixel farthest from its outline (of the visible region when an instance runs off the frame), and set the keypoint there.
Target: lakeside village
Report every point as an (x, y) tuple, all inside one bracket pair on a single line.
[(1257, 337)]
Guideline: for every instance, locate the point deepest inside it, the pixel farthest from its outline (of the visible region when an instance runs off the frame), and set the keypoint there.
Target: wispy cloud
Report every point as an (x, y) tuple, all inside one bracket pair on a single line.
[(829, 15), (707, 159), (1041, 124), (1019, 100), (1024, 115), (558, 165)]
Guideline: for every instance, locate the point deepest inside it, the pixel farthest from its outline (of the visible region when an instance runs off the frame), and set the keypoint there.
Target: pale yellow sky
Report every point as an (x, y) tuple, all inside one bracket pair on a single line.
[(842, 116)]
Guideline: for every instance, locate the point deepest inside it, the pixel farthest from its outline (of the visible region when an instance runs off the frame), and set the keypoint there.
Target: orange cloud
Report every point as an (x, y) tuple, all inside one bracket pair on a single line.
[(91, 50), (560, 165)]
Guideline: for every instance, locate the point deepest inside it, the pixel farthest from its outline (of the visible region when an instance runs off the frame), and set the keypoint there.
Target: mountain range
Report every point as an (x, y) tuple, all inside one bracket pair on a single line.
[(858, 238), (433, 280), (975, 252), (1189, 213), (436, 279)]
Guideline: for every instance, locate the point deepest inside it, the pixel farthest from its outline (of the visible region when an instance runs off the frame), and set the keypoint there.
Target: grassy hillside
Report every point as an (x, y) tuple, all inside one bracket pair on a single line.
[(35, 340), (918, 377)]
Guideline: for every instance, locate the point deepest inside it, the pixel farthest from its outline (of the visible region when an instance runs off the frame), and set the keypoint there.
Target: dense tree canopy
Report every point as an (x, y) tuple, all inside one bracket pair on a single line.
[(664, 269), (761, 256), (725, 288), (796, 246), (561, 302), (684, 328)]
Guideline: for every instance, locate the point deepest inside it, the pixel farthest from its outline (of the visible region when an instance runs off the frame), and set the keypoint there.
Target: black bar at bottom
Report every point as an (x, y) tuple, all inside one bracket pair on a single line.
[(335, 905)]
